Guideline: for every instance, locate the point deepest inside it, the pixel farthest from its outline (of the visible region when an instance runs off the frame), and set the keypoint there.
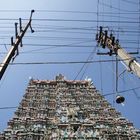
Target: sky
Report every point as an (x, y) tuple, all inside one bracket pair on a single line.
[(65, 31)]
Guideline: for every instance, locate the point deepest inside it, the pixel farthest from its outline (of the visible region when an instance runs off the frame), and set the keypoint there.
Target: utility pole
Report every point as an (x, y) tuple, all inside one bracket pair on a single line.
[(13, 52), (113, 45)]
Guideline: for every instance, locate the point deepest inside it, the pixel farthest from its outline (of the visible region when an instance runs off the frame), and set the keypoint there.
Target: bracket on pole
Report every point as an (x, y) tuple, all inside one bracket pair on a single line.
[(105, 41), (113, 45), (21, 31), (20, 28), (31, 20), (16, 31)]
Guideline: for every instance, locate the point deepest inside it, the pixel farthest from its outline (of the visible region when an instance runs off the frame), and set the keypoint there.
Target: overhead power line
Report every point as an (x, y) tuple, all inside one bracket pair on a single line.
[(78, 12), (123, 91), (9, 107), (116, 8), (63, 62), (131, 2), (71, 20)]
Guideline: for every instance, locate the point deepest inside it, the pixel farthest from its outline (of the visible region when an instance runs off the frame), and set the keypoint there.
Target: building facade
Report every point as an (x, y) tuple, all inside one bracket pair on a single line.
[(64, 109)]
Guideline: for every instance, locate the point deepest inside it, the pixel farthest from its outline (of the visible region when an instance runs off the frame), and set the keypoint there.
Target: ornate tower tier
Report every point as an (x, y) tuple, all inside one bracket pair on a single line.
[(65, 109)]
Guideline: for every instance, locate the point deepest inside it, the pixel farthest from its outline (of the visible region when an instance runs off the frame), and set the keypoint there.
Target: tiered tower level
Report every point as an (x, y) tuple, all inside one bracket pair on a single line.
[(63, 109)]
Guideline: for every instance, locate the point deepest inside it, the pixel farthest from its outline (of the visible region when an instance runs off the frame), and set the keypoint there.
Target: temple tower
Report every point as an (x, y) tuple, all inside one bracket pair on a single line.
[(65, 109)]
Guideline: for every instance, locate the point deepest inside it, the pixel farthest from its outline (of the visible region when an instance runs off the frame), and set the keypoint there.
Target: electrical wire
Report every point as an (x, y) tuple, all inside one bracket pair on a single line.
[(139, 30), (71, 20), (64, 62), (68, 11), (116, 8), (9, 107), (88, 59), (131, 2), (123, 91)]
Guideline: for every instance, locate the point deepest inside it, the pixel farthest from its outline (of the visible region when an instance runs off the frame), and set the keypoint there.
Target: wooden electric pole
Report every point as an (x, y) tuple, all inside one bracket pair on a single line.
[(13, 52), (113, 45)]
